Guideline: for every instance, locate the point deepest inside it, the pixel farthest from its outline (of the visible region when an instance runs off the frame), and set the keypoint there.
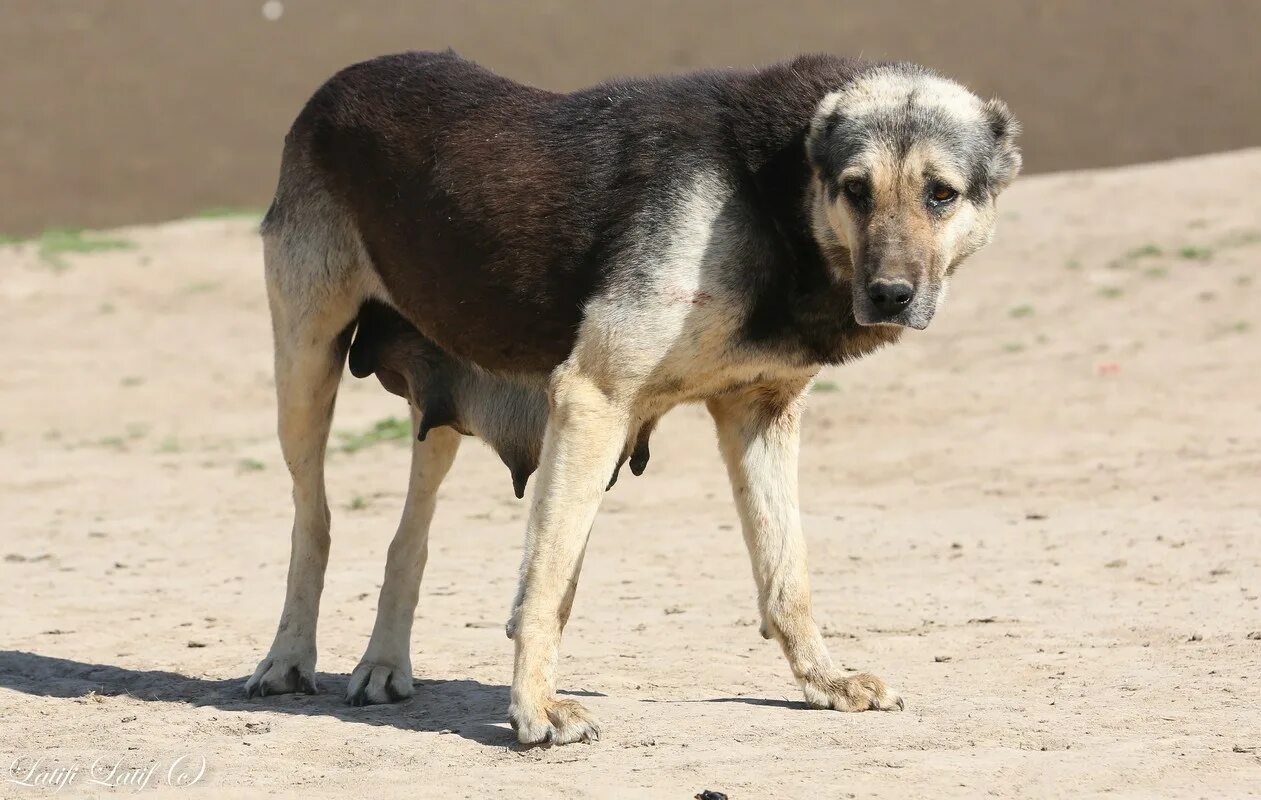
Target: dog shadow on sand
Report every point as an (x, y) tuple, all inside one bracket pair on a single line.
[(466, 708)]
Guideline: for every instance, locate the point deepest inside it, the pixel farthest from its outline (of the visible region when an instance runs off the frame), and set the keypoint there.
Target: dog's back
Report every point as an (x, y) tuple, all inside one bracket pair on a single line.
[(467, 208)]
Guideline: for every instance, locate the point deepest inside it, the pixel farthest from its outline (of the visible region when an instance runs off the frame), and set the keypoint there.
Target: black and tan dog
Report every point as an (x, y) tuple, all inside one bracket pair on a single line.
[(553, 272)]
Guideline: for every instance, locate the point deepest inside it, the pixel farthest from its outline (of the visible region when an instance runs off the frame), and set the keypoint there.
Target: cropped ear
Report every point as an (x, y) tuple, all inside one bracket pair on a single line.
[(1005, 160)]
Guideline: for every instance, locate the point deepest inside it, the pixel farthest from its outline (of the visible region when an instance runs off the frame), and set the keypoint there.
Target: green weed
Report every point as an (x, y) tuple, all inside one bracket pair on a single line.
[(56, 243), (389, 429)]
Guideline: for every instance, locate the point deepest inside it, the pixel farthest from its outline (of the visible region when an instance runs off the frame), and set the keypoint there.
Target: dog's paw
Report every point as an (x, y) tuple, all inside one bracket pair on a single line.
[(861, 692), (283, 675), (375, 684), (554, 722)]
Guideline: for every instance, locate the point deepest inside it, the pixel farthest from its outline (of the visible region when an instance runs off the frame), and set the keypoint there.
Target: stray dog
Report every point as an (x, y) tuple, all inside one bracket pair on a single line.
[(554, 272)]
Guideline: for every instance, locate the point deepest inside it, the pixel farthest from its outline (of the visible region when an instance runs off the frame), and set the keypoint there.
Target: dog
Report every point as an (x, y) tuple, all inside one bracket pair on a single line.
[(554, 272)]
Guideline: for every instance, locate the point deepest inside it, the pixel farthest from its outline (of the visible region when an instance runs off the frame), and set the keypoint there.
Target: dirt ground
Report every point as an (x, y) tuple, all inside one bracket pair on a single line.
[(1039, 520)]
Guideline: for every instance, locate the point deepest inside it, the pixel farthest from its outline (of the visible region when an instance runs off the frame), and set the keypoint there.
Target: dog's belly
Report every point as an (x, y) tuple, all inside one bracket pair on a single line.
[(509, 411)]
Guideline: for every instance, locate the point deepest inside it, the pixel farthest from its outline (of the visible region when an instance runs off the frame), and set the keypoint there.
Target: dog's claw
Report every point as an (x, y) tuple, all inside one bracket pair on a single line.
[(560, 722), (273, 678), (860, 692), (378, 684)]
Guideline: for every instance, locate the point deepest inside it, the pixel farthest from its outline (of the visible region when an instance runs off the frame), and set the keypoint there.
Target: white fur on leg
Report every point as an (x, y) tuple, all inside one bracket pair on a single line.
[(759, 433), (309, 358), (385, 673), (586, 432)]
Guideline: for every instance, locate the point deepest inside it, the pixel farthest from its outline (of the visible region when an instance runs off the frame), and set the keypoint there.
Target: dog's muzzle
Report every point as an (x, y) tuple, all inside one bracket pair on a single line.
[(894, 301)]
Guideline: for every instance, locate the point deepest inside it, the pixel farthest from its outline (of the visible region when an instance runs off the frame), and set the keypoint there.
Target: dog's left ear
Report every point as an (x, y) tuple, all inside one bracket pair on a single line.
[(1005, 160)]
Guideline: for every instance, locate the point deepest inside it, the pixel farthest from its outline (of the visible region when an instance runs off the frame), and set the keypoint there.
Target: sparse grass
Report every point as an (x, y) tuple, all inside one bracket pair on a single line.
[(201, 287), (1021, 311), (1072, 263), (131, 381), (1239, 239), (7, 239), (229, 212), (56, 243), (106, 308), (1156, 272), (1230, 329), (112, 443), (824, 386), (1243, 280), (359, 503), (1195, 224), (389, 429), (250, 465), (1013, 347), (1111, 292), (170, 445), (1146, 251), (1137, 254), (1193, 253)]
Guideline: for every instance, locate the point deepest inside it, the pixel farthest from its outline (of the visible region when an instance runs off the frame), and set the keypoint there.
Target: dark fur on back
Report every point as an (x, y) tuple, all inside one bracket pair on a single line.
[(493, 211)]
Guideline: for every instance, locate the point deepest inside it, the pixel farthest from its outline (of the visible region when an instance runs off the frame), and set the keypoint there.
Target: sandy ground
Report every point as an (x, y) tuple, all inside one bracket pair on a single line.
[(1039, 519)]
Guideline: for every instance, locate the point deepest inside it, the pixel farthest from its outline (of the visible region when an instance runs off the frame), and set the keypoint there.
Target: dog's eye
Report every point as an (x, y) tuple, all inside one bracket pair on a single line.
[(857, 190), (939, 194)]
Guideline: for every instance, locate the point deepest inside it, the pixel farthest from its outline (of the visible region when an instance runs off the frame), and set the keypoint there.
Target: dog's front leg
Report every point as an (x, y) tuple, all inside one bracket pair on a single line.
[(759, 433), (586, 431)]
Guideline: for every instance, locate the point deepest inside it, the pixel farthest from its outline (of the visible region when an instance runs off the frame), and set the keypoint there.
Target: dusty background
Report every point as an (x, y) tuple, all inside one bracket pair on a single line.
[(121, 111), (1039, 519)]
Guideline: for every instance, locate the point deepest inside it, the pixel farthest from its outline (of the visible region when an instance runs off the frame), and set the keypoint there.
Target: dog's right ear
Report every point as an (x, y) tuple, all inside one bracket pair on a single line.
[(1005, 160), (826, 145)]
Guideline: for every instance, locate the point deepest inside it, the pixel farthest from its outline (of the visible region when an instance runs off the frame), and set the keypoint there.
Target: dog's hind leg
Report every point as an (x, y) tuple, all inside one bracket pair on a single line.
[(385, 673), (314, 293), (759, 433)]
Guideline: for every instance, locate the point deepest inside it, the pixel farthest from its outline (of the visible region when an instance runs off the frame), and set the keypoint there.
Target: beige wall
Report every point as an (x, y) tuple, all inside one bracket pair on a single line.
[(116, 111)]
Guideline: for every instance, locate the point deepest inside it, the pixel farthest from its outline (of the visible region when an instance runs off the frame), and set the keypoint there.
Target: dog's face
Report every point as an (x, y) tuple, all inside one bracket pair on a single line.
[(908, 166)]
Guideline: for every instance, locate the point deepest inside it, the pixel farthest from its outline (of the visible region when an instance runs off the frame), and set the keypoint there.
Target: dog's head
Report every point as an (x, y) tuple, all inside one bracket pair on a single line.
[(907, 167)]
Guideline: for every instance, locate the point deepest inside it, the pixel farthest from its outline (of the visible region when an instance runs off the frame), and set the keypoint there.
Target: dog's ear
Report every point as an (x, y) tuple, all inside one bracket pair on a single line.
[(821, 145), (1005, 159)]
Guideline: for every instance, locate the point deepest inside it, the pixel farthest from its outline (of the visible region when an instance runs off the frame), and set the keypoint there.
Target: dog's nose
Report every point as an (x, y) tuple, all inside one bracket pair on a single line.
[(890, 296)]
